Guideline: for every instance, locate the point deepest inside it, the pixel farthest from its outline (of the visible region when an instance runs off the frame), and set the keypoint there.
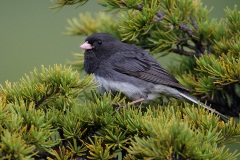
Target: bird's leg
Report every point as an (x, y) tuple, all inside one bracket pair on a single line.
[(136, 101), (133, 102)]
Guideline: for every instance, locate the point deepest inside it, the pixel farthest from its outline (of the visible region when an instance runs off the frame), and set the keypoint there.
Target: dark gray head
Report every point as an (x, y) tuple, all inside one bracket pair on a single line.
[(99, 47), (101, 44)]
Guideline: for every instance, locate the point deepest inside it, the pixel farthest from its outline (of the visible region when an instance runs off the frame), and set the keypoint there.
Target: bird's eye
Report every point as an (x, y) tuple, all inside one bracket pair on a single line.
[(99, 42)]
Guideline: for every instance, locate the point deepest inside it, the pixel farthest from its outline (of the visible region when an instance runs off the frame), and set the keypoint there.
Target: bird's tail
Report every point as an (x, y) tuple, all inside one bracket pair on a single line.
[(194, 100)]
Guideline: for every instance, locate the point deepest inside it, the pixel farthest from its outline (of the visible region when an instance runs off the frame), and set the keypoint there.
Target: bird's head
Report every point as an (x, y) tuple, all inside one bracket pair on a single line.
[(101, 44)]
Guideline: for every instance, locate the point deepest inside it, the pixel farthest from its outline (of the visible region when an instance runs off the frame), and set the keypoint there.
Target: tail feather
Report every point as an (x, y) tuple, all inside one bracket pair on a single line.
[(194, 100)]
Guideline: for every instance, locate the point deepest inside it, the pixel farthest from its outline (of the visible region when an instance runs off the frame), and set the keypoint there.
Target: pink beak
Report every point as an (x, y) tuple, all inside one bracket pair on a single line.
[(86, 46)]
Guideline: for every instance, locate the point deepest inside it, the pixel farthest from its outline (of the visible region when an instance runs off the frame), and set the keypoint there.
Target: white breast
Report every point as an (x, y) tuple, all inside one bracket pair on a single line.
[(135, 92), (130, 90)]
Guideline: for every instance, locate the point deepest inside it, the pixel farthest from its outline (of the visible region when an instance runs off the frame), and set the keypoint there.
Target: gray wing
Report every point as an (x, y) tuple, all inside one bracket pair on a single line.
[(144, 67)]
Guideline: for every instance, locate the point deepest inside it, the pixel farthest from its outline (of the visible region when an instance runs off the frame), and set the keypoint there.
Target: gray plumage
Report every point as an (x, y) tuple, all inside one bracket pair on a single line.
[(119, 66)]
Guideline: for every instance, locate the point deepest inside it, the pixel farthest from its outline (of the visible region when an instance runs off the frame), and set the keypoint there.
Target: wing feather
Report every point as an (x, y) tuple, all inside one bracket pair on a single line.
[(142, 66)]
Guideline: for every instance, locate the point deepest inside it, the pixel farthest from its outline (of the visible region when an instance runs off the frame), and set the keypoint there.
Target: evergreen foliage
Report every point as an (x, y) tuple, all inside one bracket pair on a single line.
[(54, 113)]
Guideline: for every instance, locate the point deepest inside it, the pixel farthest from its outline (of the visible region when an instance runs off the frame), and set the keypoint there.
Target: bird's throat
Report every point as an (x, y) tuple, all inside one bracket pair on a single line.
[(91, 62)]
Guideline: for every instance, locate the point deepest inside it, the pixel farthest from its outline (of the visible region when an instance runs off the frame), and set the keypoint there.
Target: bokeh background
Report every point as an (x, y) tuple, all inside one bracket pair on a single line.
[(31, 35)]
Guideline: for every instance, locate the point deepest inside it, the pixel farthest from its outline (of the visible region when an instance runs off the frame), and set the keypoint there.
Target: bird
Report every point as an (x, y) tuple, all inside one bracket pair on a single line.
[(126, 68)]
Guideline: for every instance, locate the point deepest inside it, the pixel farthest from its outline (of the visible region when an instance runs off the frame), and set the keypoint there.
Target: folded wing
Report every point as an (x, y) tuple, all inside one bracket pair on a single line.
[(143, 66)]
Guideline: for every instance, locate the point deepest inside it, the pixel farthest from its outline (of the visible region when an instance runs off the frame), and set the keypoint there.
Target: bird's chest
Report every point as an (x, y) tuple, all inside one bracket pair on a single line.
[(130, 90)]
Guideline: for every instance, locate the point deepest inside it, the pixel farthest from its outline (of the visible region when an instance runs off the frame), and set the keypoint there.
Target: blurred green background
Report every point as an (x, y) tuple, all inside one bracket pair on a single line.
[(31, 35)]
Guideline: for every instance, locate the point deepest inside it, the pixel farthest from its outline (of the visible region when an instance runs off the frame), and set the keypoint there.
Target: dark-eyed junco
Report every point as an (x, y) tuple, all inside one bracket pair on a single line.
[(119, 66)]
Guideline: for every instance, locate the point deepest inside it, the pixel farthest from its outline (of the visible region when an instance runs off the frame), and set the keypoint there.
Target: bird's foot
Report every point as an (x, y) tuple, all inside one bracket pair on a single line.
[(131, 103)]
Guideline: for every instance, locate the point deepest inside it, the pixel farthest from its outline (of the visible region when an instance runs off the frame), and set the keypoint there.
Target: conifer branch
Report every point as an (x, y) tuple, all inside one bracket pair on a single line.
[(186, 30), (45, 97), (186, 53), (159, 16)]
